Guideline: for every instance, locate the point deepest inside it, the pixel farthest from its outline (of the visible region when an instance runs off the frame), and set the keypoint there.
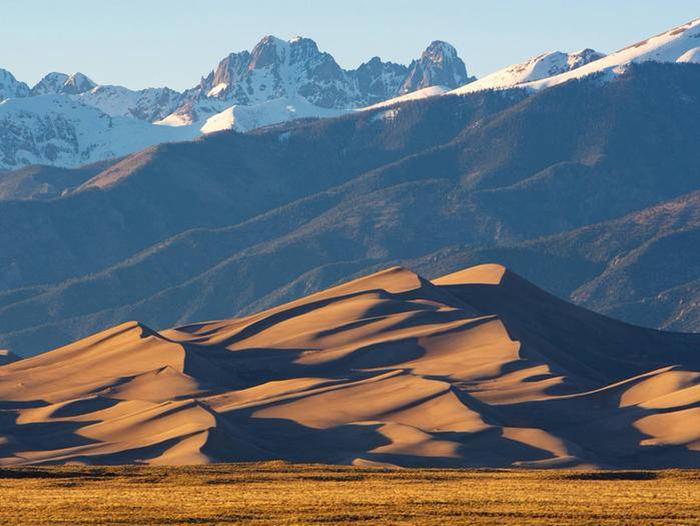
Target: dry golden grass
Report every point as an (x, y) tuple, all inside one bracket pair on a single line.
[(284, 494)]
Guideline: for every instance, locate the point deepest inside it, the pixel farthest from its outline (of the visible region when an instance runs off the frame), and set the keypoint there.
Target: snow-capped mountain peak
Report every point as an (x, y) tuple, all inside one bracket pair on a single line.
[(438, 50), (278, 80), (60, 83), (277, 68), (77, 83), (10, 87), (272, 50), (439, 65), (51, 83), (268, 51)]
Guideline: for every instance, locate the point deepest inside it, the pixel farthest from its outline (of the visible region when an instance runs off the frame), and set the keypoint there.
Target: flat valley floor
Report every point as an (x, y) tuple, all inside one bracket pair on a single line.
[(276, 493)]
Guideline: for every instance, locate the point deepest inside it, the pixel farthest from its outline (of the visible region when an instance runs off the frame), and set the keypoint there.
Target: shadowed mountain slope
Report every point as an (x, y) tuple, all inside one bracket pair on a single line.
[(642, 268), (46, 182), (476, 368)]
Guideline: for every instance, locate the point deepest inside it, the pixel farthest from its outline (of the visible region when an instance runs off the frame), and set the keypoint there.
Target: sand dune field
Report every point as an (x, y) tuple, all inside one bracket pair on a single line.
[(475, 369)]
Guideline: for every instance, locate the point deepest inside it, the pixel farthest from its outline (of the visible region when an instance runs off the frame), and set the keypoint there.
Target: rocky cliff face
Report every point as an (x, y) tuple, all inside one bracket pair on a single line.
[(276, 68), (378, 80), (439, 65)]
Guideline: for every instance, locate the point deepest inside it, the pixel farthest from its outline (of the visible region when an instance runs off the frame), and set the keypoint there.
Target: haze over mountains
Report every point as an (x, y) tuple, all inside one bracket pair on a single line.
[(477, 368), (587, 187)]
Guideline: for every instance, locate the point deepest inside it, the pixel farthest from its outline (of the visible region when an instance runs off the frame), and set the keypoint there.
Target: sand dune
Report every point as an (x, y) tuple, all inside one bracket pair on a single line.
[(477, 368)]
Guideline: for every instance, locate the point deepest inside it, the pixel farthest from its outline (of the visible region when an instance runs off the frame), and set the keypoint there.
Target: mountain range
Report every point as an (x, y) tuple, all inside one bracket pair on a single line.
[(587, 186), (478, 368), (68, 120), (276, 81)]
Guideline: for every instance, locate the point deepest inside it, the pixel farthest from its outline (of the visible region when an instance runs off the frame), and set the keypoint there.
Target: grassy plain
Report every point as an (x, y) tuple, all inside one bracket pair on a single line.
[(275, 493)]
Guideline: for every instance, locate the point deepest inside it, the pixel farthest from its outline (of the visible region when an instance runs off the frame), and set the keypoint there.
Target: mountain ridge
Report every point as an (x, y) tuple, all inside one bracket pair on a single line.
[(275, 82), (281, 80), (677, 44)]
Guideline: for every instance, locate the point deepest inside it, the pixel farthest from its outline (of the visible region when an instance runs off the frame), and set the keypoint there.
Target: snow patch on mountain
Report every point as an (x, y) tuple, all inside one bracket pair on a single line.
[(245, 118), (692, 56), (535, 68), (219, 88), (77, 83), (432, 91)]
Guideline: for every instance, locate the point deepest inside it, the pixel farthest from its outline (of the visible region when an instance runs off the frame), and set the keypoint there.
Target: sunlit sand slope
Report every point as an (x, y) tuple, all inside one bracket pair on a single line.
[(477, 368)]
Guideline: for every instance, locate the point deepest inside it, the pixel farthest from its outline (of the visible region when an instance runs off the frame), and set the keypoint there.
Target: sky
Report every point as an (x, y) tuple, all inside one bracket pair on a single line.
[(147, 43)]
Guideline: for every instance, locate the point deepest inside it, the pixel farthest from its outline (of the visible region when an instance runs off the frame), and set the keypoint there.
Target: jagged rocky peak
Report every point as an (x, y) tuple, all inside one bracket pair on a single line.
[(439, 65), (269, 51), (278, 68), (272, 50), (380, 80), (299, 54), (60, 83), (297, 70), (78, 83), (10, 87), (229, 71), (51, 83)]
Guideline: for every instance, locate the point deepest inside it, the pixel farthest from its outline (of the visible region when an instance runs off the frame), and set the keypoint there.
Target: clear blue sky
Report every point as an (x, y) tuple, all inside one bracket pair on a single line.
[(140, 43)]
